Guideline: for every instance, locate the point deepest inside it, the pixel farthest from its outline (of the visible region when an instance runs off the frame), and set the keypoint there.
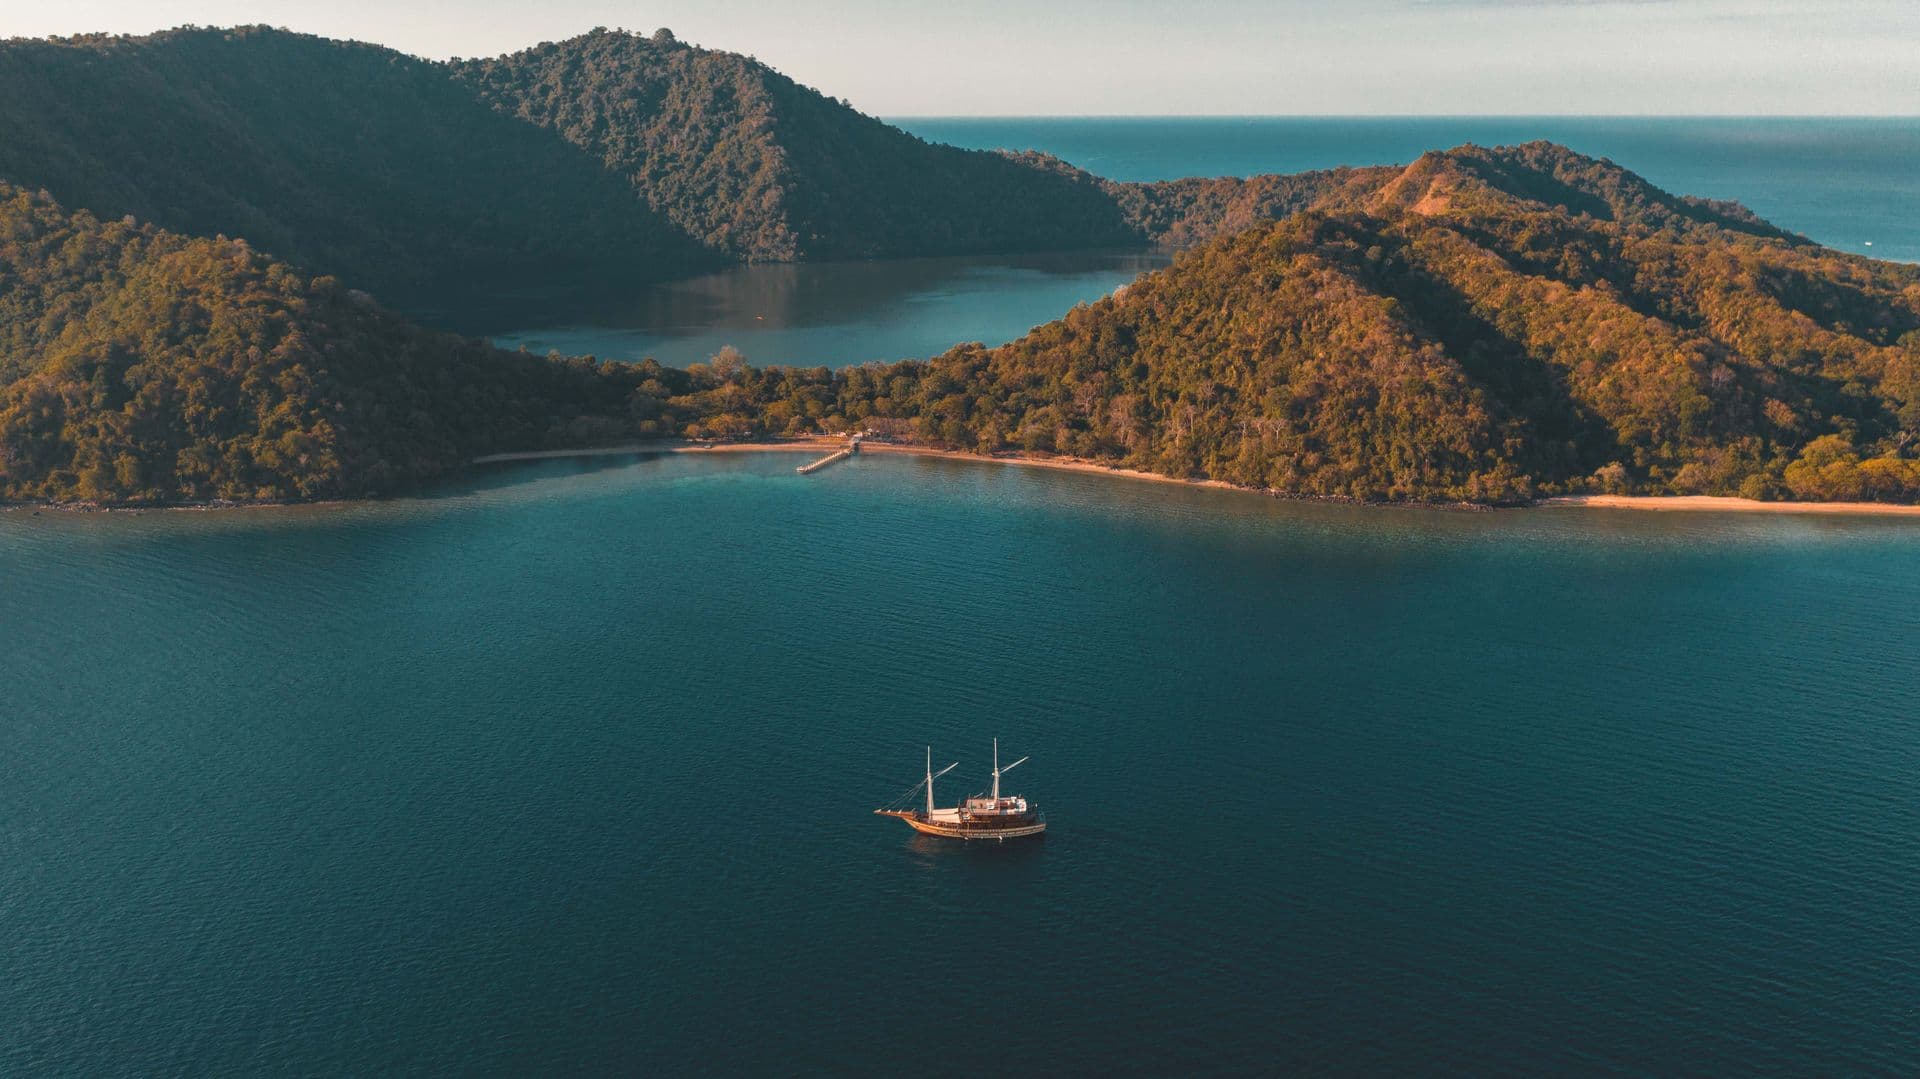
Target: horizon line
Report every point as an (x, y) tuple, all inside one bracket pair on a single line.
[(891, 116)]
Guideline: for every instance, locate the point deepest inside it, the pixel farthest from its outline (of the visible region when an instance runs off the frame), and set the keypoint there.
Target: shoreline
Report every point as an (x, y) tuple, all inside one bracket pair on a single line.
[(1724, 504), (1655, 503), (1645, 503), (895, 449)]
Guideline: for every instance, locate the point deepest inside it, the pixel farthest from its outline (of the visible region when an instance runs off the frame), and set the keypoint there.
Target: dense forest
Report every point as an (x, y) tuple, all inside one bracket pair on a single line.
[(340, 157), (609, 156), (137, 365), (1483, 325), (609, 159), (751, 163), (1488, 325)]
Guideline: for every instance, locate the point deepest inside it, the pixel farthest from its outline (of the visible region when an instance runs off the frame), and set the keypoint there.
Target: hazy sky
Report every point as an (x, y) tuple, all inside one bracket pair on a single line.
[(1131, 57)]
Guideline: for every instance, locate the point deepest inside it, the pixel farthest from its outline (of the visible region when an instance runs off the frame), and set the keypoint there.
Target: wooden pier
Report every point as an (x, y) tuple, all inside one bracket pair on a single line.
[(833, 458), (852, 447)]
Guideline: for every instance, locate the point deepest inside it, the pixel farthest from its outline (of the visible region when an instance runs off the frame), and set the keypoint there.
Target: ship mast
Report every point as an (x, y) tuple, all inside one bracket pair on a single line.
[(928, 782)]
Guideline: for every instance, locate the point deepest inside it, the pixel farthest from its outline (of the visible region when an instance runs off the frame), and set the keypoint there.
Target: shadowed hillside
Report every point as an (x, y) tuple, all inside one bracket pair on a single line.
[(140, 365), (1483, 324), (752, 163), (341, 157)]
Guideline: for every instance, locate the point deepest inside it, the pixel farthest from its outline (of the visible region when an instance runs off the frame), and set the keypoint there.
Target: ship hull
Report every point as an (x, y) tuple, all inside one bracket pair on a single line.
[(971, 832)]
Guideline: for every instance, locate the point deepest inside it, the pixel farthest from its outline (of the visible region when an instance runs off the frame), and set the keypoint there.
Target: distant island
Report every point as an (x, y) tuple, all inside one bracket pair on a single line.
[(205, 294)]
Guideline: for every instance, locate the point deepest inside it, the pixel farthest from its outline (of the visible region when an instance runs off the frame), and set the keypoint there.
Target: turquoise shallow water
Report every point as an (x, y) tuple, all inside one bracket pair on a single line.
[(569, 767)]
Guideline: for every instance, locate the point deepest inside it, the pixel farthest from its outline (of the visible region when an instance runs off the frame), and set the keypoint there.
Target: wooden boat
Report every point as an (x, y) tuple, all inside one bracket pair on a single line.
[(990, 817)]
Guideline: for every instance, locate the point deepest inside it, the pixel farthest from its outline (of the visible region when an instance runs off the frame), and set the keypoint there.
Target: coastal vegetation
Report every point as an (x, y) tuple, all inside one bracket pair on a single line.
[(1483, 325), (339, 157), (593, 163), (137, 365), (188, 220), (753, 164)]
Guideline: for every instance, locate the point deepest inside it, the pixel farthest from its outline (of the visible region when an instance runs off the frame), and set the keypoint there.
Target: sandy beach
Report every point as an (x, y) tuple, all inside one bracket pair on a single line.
[(824, 446), (1725, 504)]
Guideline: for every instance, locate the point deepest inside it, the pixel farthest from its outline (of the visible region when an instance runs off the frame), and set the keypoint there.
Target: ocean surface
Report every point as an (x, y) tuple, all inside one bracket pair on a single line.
[(569, 768), (1853, 184)]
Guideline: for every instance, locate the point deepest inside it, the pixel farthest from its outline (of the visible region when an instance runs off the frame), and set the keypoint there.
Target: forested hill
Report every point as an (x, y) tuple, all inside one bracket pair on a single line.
[(751, 163), (607, 157), (1191, 210), (340, 157), (1483, 325), (137, 365)]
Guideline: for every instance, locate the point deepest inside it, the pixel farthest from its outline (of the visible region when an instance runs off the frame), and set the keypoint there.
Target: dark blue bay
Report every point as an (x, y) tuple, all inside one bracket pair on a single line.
[(569, 768)]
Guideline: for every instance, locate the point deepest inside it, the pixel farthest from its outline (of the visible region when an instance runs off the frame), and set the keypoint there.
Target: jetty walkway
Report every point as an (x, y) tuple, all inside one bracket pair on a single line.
[(852, 447)]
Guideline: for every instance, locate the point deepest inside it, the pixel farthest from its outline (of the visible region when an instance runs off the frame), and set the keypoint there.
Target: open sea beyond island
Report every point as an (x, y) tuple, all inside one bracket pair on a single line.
[(1848, 183), (568, 767)]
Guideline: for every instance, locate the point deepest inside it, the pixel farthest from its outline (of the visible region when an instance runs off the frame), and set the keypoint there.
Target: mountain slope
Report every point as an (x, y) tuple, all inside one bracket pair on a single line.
[(344, 158), (1487, 325), (1484, 325), (753, 164), (140, 365)]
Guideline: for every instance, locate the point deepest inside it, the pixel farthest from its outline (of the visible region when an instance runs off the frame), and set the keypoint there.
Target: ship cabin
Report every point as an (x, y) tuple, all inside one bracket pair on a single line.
[(985, 809)]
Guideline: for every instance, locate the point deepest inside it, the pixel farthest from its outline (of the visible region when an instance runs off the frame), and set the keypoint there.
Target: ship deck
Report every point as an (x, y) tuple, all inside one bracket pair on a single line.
[(947, 824)]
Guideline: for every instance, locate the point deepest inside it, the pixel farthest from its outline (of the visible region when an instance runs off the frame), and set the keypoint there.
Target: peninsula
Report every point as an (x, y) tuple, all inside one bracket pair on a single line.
[(1485, 325)]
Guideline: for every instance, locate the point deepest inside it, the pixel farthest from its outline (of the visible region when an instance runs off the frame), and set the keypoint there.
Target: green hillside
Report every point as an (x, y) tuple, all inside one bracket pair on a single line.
[(340, 157), (751, 163), (1483, 325), (139, 365)]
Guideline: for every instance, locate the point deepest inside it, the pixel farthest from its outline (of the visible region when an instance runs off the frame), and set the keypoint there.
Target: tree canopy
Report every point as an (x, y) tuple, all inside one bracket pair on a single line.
[(1483, 325), (144, 366), (340, 157), (753, 164)]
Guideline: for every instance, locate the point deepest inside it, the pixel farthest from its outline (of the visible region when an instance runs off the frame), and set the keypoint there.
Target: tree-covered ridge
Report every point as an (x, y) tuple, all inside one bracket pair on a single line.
[(752, 163), (1495, 325), (341, 157), (612, 158), (145, 366), (1486, 324), (1488, 179), (1194, 210)]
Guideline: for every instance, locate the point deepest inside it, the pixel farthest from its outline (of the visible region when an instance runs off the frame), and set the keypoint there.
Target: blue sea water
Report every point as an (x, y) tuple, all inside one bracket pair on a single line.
[(568, 768), (1853, 184)]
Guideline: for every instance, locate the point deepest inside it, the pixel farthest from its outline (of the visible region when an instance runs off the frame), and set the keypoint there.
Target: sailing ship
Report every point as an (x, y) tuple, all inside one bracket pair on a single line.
[(990, 817)]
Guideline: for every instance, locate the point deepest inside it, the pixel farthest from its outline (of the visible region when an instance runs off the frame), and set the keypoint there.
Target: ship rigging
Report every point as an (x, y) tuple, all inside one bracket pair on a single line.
[(993, 816)]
